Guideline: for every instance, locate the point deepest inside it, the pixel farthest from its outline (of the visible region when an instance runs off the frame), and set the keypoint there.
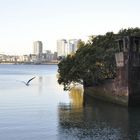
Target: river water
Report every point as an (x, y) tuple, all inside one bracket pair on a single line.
[(43, 111)]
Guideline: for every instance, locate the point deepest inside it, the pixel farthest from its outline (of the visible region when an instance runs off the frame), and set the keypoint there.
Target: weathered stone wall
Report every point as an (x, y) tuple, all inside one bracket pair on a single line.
[(109, 91), (113, 90)]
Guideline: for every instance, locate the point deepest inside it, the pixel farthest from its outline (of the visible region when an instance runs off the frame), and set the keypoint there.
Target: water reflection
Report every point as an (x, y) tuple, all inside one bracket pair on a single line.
[(40, 81), (76, 96), (97, 120)]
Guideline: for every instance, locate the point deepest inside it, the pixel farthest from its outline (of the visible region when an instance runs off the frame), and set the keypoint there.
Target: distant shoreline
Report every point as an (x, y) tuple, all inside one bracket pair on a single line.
[(49, 63)]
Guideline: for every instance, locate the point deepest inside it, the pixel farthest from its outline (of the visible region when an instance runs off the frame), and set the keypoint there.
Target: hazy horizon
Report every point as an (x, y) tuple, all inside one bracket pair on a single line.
[(23, 22)]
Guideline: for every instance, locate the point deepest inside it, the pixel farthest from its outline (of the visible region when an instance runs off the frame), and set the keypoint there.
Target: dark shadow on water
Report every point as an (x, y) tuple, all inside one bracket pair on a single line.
[(99, 121)]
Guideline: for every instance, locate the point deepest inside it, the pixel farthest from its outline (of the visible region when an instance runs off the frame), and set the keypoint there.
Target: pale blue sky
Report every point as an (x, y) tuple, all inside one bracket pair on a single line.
[(25, 21)]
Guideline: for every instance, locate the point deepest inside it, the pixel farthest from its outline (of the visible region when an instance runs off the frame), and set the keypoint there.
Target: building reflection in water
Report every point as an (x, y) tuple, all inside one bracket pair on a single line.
[(96, 119)]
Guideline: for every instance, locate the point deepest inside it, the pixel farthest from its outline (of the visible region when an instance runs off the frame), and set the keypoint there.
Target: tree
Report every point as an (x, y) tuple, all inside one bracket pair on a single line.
[(80, 44), (129, 32), (65, 71)]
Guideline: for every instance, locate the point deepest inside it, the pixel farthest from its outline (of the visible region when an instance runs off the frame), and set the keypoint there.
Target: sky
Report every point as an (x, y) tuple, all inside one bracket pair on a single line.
[(25, 21)]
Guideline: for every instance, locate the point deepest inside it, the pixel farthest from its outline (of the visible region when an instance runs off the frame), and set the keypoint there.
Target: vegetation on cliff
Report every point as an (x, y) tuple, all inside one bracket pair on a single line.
[(94, 61)]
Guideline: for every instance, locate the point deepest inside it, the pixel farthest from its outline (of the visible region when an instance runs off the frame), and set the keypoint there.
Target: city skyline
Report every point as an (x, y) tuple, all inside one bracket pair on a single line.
[(66, 47), (23, 22)]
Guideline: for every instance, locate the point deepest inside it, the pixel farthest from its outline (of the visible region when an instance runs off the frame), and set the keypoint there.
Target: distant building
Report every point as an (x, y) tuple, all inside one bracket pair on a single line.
[(38, 50), (24, 58), (72, 45), (49, 55), (65, 47), (33, 57), (37, 47), (55, 56), (62, 49)]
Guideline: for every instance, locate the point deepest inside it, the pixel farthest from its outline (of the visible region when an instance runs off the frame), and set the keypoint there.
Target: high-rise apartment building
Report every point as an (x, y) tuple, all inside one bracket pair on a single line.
[(72, 45), (37, 47), (62, 48), (65, 47)]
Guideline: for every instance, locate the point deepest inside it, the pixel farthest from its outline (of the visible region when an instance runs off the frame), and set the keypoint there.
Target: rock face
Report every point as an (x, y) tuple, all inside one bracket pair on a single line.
[(125, 88)]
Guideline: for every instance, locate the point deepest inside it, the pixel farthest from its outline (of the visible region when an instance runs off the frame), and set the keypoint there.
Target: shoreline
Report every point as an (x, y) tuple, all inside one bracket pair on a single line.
[(49, 63)]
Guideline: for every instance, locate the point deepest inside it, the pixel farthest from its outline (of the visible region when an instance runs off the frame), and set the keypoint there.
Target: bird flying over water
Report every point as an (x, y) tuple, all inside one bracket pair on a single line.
[(27, 83)]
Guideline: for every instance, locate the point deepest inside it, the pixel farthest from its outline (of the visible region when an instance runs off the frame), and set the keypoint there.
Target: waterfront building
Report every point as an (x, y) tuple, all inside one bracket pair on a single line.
[(47, 56), (38, 50), (33, 57), (55, 56), (65, 47), (37, 47), (23, 58), (72, 45), (62, 48)]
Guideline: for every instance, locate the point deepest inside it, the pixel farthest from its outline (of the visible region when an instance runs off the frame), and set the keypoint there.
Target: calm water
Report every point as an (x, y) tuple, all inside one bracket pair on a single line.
[(43, 111)]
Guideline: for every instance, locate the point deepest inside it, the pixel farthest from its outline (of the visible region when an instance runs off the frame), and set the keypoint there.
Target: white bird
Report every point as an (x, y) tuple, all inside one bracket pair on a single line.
[(27, 83)]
